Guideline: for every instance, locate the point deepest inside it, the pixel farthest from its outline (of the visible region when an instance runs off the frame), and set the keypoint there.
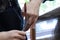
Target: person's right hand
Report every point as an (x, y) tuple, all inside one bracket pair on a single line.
[(12, 35)]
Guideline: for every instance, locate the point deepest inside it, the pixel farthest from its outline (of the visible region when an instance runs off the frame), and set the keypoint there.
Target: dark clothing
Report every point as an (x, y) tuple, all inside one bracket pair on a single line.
[(11, 18)]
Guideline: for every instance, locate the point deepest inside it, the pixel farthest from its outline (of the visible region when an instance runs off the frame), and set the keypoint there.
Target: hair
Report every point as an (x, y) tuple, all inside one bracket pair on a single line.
[(3, 4)]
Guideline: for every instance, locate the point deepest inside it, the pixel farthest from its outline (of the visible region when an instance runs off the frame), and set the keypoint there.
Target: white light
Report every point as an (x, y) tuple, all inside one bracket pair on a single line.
[(45, 36), (50, 5), (21, 1), (48, 24)]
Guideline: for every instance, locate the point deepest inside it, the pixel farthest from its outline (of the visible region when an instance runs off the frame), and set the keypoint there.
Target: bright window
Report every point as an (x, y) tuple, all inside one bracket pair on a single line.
[(48, 6)]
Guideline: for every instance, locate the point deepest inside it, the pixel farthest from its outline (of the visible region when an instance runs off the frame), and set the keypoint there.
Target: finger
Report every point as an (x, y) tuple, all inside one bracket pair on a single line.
[(20, 37), (21, 33)]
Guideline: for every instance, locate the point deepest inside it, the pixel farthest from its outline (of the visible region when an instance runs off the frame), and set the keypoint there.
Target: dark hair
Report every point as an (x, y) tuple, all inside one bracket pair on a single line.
[(3, 4)]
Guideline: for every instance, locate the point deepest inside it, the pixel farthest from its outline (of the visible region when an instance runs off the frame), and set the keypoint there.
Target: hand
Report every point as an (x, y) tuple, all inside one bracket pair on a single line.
[(13, 35), (33, 7), (32, 12)]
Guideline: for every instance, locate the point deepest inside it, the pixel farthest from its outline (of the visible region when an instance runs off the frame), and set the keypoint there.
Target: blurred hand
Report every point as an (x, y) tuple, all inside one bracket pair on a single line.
[(13, 35), (33, 7), (32, 12)]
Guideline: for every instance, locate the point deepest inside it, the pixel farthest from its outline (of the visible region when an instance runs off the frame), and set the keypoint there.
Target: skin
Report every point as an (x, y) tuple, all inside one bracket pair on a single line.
[(32, 12), (13, 35), (33, 9)]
